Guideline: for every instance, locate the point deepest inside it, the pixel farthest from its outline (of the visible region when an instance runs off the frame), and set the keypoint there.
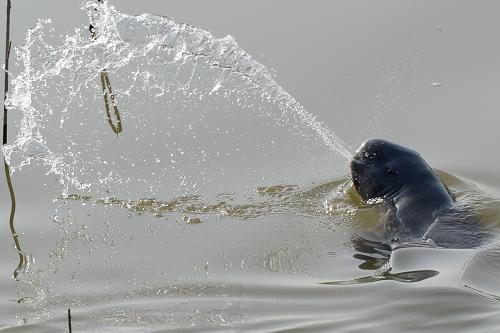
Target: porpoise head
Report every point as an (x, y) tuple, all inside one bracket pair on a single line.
[(381, 169)]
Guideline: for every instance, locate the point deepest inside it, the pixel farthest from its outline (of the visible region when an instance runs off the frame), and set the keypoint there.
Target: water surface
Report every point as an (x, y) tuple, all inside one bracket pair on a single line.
[(224, 203)]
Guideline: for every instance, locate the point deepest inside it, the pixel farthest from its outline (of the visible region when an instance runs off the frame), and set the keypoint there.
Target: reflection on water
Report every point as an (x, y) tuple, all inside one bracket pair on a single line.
[(276, 199), (15, 236), (412, 276), (483, 293), (334, 198), (370, 263), (480, 272)]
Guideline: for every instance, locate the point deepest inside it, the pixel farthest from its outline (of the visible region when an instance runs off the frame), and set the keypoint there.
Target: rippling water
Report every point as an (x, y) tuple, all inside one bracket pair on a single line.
[(277, 259), (206, 199)]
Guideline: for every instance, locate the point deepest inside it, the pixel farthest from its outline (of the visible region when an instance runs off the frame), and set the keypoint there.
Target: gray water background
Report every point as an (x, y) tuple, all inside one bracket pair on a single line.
[(365, 69)]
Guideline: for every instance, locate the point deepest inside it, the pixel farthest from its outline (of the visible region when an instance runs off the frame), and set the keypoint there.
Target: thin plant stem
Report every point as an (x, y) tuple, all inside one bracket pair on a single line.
[(69, 320), (107, 93), (106, 90), (15, 236), (8, 45)]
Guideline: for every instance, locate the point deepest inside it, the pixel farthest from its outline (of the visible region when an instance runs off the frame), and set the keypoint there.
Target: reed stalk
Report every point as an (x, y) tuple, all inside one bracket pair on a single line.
[(15, 236), (8, 45), (107, 93), (69, 320)]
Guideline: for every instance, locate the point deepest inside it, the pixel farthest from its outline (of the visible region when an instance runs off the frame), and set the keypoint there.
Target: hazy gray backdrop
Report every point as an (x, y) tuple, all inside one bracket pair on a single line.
[(365, 68)]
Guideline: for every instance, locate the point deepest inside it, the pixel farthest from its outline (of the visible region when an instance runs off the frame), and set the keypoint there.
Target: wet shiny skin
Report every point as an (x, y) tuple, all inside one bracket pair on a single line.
[(420, 206)]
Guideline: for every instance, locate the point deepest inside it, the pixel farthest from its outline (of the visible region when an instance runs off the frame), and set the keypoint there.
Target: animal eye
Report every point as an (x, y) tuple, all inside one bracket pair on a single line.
[(391, 171)]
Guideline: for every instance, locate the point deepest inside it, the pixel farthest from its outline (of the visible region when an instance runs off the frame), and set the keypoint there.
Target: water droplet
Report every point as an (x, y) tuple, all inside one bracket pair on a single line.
[(216, 87)]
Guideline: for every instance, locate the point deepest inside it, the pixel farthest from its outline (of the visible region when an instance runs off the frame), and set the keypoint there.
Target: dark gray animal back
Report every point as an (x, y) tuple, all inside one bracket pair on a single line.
[(456, 228)]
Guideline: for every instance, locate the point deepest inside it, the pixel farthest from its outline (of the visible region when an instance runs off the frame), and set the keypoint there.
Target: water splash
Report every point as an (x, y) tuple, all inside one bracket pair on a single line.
[(178, 88), (149, 56)]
